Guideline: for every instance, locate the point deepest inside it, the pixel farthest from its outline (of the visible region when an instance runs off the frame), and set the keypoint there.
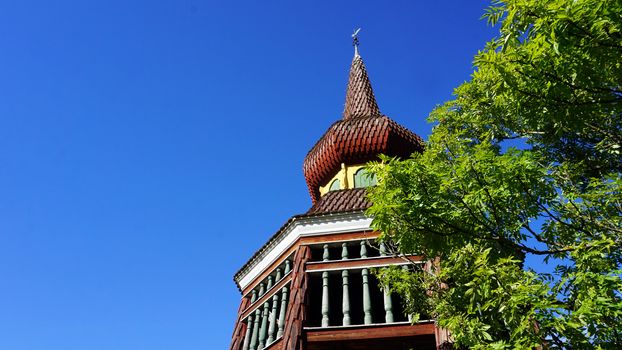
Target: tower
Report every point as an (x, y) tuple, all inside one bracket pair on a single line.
[(310, 285)]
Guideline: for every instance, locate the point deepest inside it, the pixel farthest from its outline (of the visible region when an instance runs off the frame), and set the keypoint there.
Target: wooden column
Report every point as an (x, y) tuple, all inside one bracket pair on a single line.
[(264, 325), (272, 329), (249, 328), (345, 305), (366, 295), (345, 301), (410, 316), (325, 301), (253, 344), (383, 249), (253, 296), (293, 337), (279, 274), (443, 339), (282, 312), (388, 306), (240, 326), (270, 283)]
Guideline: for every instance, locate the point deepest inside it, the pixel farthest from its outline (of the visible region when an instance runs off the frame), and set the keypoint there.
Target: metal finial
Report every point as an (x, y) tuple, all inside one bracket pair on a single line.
[(355, 41)]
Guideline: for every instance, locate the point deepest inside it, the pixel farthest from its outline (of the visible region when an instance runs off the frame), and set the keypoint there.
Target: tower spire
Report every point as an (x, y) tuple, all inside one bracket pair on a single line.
[(355, 41), (360, 100)]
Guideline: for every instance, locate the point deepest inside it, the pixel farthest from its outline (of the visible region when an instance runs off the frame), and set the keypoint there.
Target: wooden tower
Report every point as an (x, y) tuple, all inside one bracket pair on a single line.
[(309, 286)]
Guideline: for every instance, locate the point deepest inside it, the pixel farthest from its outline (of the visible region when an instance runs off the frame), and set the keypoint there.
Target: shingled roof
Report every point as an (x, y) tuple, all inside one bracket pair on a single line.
[(362, 134), (360, 99), (355, 141), (341, 201)]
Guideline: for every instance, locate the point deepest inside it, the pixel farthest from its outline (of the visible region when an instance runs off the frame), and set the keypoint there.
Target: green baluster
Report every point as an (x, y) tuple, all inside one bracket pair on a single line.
[(383, 249), (410, 317), (366, 296), (270, 282), (264, 325), (326, 255), (279, 275), (288, 266), (345, 305), (272, 329), (325, 305), (253, 344), (253, 296), (282, 312), (345, 302), (388, 306), (249, 329)]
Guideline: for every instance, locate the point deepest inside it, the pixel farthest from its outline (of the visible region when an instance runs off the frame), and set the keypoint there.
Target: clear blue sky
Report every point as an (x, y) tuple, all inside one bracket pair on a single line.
[(148, 148)]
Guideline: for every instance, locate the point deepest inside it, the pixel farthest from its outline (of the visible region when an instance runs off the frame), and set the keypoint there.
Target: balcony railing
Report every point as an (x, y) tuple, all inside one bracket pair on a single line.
[(343, 292), (265, 315)]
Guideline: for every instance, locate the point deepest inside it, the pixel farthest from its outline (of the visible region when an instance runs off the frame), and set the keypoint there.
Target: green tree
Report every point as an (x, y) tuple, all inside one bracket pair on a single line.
[(524, 163)]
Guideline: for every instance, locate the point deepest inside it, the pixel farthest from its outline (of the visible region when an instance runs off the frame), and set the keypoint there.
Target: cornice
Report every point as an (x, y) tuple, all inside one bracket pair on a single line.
[(296, 227)]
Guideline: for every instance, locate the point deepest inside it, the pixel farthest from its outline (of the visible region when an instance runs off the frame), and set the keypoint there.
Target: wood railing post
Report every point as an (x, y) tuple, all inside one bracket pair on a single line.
[(366, 297), (345, 305), (325, 301), (272, 329), (264, 325), (253, 344), (388, 306), (282, 312), (249, 329)]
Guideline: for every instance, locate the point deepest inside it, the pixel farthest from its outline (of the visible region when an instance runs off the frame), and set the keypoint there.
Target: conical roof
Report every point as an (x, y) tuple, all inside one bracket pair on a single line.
[(360, 99), (362, 134)]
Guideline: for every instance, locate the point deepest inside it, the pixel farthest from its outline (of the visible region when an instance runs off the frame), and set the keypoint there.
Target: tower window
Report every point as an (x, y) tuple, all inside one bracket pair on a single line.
[(362, 178), (335, 185)]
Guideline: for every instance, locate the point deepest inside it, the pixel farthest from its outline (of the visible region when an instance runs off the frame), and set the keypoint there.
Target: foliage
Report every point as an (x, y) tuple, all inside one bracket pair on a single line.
[(524, 164)]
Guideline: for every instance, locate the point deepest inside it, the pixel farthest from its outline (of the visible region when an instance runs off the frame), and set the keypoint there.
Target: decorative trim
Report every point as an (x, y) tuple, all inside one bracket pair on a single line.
[(299, 227)]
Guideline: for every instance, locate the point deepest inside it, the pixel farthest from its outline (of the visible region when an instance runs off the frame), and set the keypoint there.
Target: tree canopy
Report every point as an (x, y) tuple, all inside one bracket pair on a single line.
[(523, 165)]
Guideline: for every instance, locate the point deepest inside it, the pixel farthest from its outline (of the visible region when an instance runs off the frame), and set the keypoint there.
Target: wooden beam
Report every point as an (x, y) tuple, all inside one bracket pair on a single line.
[(369, 332), (379, 261), (339, 237)]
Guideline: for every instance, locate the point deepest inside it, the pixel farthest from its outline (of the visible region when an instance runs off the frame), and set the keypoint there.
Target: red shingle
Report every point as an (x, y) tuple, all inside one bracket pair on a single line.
[(355, 141), (359, 137), (341, 201), (360, 100)]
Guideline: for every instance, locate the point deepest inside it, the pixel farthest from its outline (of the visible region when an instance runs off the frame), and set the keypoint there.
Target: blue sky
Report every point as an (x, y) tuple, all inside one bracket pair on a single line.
[(148, 148)]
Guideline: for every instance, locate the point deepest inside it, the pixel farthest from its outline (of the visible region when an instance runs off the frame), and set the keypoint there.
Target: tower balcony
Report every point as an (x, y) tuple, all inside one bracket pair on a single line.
[(342, 303)]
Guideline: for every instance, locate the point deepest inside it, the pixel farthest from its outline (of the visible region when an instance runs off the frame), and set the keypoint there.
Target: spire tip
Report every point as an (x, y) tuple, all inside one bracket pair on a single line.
[(355, 42)]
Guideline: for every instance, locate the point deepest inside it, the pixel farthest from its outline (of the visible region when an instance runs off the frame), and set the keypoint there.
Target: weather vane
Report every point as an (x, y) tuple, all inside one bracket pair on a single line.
[(355, 41)]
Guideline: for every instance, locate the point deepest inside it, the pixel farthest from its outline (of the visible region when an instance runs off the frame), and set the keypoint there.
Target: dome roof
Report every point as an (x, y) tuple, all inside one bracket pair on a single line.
[(362, 134)]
